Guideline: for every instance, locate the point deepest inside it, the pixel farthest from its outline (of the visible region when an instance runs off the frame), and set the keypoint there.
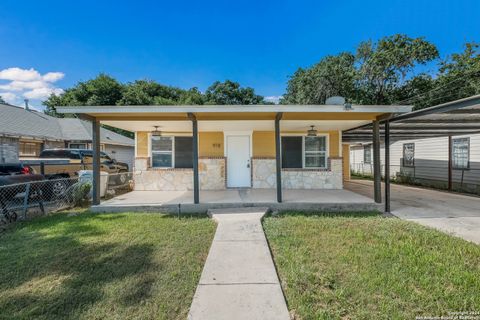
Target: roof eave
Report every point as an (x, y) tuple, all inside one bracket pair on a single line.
[(233, 109)]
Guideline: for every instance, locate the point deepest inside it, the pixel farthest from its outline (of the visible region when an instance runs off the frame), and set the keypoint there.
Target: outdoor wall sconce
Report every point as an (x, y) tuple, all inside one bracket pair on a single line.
[(312, 132)]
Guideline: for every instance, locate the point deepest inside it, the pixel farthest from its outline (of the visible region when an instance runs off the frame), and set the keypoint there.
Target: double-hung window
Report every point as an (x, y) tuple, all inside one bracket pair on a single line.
[(315, 152), (172, 152), (367, 154), (461, 153), (304, 152), (408, 154), (162, 152)]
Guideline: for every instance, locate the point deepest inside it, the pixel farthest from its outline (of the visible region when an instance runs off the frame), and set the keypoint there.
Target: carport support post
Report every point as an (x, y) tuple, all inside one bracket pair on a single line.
[(278, 157), (196, 188), (96, 161), (387, 166), (377, 175), (450, 163)]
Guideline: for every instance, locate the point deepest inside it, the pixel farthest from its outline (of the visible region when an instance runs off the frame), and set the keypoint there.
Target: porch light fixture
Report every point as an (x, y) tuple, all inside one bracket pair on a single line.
[(156, 132), (312, 132)]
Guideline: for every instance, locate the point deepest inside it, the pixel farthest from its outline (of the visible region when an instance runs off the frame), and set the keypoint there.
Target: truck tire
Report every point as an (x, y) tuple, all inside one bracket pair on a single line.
[(57, 188), (122, 178)]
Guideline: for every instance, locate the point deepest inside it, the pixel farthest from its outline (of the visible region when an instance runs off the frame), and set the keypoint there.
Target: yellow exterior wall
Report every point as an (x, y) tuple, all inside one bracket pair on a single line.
[(334, 143), (142, 144), (263, 144), (346, 162), (210, 144)]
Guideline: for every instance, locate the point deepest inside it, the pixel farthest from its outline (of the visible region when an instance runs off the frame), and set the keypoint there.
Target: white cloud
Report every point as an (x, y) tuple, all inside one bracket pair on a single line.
[(20, 74), (42, 93), (274, 99), (28, 83), (53, 76), (9, 97), (23, 85)]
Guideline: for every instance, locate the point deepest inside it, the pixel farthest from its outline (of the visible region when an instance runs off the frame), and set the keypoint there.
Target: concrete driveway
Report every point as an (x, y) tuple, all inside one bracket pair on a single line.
[(450, 212)]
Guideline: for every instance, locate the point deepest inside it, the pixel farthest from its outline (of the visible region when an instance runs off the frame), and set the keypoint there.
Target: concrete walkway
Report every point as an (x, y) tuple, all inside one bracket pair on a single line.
[(453, 213), (239, 280)]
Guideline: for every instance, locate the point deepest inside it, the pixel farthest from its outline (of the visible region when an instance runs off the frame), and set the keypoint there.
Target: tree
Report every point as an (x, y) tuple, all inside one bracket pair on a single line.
[(333, 75), (230, 93), (2, 101), (100, 91), (376, 74), (459, 75), (383, 66)]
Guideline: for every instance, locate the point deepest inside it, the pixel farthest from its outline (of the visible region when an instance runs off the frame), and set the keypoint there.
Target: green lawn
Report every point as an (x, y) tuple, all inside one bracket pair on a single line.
[(102, 266), (371, 267)]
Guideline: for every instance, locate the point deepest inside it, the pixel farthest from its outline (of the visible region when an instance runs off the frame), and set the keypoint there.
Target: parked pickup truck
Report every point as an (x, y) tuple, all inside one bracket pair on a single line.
[(65, 163), (13, 179)]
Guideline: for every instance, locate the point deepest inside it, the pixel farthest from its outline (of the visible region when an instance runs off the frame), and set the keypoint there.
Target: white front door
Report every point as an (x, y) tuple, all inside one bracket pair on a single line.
[(238, 161)]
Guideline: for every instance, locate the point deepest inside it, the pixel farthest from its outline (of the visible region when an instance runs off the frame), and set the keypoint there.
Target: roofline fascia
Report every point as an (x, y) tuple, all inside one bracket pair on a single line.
[(233, 109), (441, 108)]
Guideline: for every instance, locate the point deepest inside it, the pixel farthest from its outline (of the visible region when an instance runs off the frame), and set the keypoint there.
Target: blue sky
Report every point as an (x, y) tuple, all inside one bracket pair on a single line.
[(55, 44)]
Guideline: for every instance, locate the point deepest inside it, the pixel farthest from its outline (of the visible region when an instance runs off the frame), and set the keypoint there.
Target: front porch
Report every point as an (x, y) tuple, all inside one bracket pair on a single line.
[(179, 202)]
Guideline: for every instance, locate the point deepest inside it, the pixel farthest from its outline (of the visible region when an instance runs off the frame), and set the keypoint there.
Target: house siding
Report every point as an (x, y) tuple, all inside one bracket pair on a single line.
[(121, 153), (430, 164), (263, 143), (210, 144), (8, 150)]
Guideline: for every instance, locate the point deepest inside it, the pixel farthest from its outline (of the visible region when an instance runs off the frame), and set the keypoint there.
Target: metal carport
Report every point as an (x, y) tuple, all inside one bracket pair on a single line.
[(458, 117)]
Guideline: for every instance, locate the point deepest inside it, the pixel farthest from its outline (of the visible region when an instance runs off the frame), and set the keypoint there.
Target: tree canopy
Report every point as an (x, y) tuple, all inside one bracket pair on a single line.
[(105, 90), (375, 74)]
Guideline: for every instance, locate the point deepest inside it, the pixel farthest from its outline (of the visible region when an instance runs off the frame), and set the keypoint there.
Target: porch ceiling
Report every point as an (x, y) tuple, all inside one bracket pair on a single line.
[(237, 125)]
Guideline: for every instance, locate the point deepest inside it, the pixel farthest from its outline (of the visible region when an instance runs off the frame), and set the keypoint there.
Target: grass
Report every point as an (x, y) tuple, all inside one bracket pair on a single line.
[(369, 267), (102, 266)]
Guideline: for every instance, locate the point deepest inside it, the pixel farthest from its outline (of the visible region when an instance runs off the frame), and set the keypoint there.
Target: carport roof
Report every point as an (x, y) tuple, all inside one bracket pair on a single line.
[(458, 117)]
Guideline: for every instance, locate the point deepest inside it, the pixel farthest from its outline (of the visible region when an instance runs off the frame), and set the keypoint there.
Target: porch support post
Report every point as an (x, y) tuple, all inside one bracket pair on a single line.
[(278, 156), (196, 188), (96, 161), (387, 166), (377, 174), (450, 163)]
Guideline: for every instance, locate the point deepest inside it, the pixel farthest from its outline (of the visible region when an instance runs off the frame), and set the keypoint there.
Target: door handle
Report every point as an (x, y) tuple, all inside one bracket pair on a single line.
[(248, 164)]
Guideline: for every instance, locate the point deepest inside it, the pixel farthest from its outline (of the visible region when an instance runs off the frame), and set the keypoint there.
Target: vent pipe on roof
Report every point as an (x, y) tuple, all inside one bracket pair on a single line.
[(26, 105)]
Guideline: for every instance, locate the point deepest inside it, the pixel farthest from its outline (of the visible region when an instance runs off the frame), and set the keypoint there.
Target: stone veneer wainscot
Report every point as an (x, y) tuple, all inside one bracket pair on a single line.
[(264, 175), (211, 175)]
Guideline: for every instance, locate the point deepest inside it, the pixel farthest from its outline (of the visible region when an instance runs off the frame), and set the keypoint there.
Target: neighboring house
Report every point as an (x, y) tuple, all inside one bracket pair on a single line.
[(237, 144), (426, 161), (25, 132)]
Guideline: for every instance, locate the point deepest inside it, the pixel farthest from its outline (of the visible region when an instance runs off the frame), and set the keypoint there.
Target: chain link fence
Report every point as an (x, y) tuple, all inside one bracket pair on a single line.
[(22, 201)]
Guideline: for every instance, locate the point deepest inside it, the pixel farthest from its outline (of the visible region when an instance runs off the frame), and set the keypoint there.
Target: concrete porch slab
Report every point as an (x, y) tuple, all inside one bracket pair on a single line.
[(177, 202)]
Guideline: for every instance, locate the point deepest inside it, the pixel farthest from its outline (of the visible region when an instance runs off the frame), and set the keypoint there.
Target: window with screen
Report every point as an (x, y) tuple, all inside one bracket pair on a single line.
[(315, 152), (172, 152), (29, 149), (367, 154), (461, 153), (408, 154), (304, 152), (162, 152), (183, 152)]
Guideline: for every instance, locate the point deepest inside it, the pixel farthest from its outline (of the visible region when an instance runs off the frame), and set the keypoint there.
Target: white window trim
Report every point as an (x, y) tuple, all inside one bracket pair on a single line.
[(327, 147), (456, 166), (150, 151)]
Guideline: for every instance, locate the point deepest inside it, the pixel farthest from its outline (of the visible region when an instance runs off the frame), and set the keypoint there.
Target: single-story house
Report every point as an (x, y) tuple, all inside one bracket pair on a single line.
[(221, 147), (426, 161), (24, 133)]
